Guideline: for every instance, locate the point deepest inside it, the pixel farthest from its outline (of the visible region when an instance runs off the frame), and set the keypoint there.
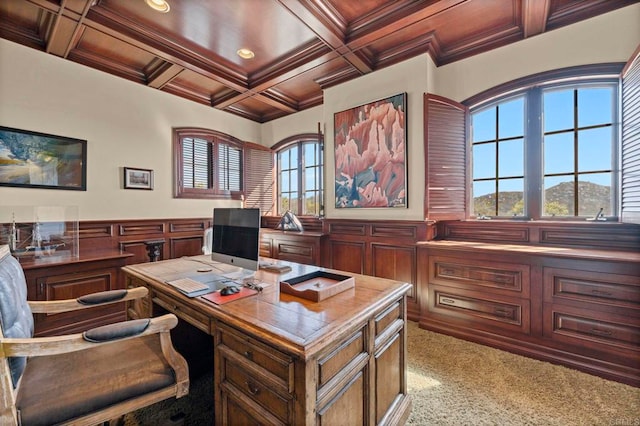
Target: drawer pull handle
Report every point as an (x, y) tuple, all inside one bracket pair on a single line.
[(598, 332), (448, 272), (601, 293), (504, 312), (248, 354), (448, 301), (253, 389)]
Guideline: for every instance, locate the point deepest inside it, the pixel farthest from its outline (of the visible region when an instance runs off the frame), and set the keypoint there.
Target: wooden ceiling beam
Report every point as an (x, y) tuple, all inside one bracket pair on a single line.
[(534, 16), (163, 74)]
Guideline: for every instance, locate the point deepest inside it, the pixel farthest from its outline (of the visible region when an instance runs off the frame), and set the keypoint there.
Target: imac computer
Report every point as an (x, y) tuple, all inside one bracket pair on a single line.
[(236, 237)]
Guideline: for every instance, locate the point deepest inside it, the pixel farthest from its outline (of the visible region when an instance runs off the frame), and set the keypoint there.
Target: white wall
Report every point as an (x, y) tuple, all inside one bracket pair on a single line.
[(612, 37), (409, 77), (124, 123), (127, 124)]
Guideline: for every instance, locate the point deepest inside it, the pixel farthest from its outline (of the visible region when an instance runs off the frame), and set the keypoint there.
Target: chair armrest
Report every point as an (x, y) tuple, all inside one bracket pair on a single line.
[(95, 299), (42, 346), (117, 331)]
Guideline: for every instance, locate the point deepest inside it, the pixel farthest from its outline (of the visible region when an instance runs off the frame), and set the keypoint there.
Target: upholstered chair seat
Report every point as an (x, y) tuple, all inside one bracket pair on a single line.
[(85, 378)]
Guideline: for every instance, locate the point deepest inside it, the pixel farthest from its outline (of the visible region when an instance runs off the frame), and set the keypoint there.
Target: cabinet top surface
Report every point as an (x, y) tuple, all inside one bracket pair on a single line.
[(298, 325), (606, 255), (84, 256)]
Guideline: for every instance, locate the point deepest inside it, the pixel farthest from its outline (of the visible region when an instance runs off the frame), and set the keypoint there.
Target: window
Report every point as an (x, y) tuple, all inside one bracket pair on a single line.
[(299, 174), (548, 150), (208, 164)]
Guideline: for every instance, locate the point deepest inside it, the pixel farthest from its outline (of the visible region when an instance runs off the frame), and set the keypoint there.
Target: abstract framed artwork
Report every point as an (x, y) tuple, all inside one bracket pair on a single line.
[(138, 178), (39, 160), (371, 155)]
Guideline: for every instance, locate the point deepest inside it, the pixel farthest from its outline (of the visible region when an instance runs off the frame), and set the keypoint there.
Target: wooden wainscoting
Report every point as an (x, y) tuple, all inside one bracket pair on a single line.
[(171, 237), (385, 249)]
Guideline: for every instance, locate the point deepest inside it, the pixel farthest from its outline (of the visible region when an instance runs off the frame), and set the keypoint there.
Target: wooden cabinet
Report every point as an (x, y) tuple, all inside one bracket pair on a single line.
[(493, 296), (299, 247), (595, 313), (385, 249), (575, 307), (69, 278)]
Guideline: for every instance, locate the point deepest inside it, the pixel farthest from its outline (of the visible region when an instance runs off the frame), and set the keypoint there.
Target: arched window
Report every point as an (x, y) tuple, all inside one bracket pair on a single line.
[(299, 175), (208, 164), (549, 148)]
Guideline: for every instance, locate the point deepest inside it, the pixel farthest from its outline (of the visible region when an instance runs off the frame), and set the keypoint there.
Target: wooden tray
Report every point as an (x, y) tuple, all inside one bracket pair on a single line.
[(317, 286)]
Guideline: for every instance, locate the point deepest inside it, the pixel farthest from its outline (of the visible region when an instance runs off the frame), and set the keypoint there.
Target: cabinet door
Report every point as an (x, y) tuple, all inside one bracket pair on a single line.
[(71, 286)]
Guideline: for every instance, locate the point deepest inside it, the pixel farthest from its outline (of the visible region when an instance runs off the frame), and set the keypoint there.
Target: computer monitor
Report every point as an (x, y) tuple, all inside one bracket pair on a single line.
[(236, 237)]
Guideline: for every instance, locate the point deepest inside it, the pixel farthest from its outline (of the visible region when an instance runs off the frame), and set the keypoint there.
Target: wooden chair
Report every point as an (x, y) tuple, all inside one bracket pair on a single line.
[(86, 378)]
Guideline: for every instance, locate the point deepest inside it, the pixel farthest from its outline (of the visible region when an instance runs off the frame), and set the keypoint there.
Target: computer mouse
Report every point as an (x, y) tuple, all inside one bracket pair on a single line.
[(229, 290)]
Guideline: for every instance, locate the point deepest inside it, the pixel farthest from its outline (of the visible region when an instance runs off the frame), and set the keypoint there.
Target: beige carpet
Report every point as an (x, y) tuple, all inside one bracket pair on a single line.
[(454, 382)]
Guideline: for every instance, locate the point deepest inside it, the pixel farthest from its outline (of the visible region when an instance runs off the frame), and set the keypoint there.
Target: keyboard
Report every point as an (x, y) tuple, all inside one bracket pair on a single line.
[(188, 285)]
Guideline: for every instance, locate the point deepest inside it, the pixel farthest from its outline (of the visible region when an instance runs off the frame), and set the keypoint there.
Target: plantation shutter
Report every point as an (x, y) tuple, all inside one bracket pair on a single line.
[(195, 163), (229, 168), (630, 176), (446, 158), (259, 179)]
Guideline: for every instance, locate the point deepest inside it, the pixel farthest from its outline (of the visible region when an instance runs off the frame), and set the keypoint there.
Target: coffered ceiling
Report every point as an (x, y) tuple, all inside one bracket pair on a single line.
[(300, 46)]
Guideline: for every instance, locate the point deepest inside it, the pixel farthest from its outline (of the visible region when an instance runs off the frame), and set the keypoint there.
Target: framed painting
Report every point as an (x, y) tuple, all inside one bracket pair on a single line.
[(39, 160), (138, 178), (371, 155)]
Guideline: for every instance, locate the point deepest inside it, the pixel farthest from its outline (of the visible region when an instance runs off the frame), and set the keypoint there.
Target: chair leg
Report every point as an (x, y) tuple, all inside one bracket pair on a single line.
[(119, 421)]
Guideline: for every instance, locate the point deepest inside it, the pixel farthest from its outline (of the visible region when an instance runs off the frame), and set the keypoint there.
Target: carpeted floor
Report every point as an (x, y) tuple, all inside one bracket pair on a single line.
[(454, 382)]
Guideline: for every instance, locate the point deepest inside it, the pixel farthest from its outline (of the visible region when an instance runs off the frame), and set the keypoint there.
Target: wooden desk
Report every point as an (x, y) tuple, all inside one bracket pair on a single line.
[(279, 359)]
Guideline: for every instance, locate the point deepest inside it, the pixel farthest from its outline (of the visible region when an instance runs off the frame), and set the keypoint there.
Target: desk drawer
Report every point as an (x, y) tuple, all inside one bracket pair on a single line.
[(270, 363), (183, 311), (257, 391)]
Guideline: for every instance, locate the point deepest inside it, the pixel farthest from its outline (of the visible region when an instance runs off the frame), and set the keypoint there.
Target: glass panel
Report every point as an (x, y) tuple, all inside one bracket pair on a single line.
[(293, 206), (595, 106), (558, 153), (293, 161), (484, 161), (594, 149), (284, 181), (484, 200), (594, 192), (511, 197), (559, 196), (283, 159), (310, 154), (310, 179), (511, 119), (310, 203), (294, 180), (511, 158), (558, 110), (484, 125)]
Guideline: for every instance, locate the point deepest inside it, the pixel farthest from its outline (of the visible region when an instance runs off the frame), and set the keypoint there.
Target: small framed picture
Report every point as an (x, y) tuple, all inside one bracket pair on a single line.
[(138, 178)]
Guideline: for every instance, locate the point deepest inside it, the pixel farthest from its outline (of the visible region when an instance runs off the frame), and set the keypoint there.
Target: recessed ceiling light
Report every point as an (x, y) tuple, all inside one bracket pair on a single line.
[(245, 53), (159, 5)]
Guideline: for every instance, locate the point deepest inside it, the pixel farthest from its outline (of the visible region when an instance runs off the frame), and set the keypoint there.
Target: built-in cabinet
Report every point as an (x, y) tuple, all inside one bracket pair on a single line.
[(50, 278), (300, 247), (577, 307)]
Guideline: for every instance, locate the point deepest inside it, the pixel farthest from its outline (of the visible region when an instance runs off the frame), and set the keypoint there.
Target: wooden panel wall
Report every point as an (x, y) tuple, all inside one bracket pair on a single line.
[(589, 235), (384, 249), (175, 237)]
